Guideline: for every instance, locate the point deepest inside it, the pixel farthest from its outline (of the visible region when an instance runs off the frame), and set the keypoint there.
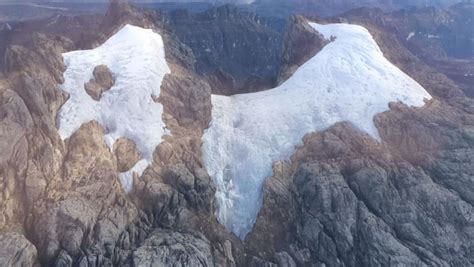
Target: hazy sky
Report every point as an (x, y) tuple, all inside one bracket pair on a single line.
[(401, 2), (137, 1)]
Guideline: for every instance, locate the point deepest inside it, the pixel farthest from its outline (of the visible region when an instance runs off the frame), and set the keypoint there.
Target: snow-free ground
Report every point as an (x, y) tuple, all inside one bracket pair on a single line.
[(136, 58), (349, 80)]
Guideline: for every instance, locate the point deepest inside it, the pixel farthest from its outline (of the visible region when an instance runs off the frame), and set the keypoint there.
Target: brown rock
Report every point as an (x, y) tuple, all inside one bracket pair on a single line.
[(301, 42), (102, 82), (187, 99), (103, 77), (93, 89), (88, 154), (15, 121), (126, 153)]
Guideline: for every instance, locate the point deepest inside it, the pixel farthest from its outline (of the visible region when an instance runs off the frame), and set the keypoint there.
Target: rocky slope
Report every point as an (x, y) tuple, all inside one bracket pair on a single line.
[(235, 51), (342, 199)]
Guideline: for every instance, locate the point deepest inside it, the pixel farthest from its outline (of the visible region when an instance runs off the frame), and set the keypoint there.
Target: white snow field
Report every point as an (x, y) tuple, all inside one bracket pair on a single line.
[(349, 80), (136, 58)]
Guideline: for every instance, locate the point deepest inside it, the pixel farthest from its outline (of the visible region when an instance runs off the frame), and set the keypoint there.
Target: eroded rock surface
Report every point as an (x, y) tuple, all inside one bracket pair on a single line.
[(102, 82), (165, 247), (301, 42), (126, 153), (16, 250), (236, 51)]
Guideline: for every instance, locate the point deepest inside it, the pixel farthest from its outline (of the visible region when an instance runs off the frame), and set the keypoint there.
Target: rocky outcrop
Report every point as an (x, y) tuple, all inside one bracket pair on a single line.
[(16, 250), (300, 43), (188, 100), (15, 122), (165, 247), (126, 153), (103, 80)]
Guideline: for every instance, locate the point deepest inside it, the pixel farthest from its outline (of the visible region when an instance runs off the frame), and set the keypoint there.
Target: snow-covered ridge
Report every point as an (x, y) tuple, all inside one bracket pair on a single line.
[(136, 58), (349, 80)]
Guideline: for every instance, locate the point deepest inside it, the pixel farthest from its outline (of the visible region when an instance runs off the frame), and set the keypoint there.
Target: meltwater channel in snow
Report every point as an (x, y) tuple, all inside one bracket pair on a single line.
[(136, 58), (349, 80)]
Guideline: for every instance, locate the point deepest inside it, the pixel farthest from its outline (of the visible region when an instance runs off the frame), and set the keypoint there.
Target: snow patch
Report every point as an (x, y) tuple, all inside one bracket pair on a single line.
[(410, 36), (349, 80), (136, 58), (431, 36)]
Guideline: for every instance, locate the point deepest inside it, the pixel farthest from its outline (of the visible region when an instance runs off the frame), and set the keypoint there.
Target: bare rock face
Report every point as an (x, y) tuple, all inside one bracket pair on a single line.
[(16, 250), (301, 42), (187, 99), (164, 247), (103, 76), (87, 153), (236, 51), (94, 90), (14, 125), (102, 82), (126, 153)]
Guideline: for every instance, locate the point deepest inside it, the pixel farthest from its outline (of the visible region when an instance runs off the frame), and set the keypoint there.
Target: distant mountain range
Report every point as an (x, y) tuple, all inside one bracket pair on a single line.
[(295, 2)]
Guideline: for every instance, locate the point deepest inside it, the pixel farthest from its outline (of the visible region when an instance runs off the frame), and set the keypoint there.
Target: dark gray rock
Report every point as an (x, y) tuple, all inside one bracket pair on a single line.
[(16, 250), (234, 50), (283, 259), (164, 248), (300, 43)]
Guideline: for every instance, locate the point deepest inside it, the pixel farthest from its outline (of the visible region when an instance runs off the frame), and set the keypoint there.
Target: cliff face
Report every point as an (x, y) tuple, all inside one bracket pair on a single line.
[(235, 51), (342, 199)]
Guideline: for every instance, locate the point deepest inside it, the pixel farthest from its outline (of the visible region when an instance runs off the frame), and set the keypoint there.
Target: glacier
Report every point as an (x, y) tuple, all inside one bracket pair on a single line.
[(136, 57), (348, 80)]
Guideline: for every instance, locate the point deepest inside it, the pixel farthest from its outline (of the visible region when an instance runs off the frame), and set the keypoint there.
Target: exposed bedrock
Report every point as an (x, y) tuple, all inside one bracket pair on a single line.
[(103, 80), (16, 250), (300, 43), (165, 247), (235, 51)]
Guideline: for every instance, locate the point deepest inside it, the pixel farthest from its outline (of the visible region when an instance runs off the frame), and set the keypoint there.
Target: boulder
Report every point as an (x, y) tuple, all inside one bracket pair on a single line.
[(103, 80), (126, 153)]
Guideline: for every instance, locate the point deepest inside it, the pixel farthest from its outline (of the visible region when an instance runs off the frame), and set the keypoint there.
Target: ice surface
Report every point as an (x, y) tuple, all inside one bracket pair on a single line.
[(136, 58), (349, 80)]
